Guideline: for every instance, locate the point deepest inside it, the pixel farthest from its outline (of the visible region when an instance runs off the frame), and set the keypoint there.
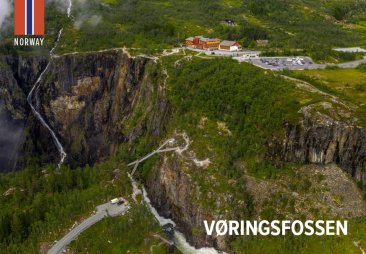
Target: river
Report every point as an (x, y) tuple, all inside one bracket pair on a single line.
[(180, 240)]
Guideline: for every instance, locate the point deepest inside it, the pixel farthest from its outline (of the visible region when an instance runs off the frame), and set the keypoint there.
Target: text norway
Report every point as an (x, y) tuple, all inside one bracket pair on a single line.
[(28, 41)]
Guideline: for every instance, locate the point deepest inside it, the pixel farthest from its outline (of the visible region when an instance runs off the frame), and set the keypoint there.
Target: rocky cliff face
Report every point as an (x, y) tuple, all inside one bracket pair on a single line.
[(176, 195), (96, 101), (17, 76), (321, 140), (93, 102)]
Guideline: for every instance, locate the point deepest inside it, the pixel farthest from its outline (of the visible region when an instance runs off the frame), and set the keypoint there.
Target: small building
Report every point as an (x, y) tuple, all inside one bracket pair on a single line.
[(194, 42), (190, 42), (207, 43), (230, 46)]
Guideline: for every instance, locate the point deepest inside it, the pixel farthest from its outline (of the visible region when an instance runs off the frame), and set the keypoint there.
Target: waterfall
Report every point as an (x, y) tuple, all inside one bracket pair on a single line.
[(36, 85), (179, 239)]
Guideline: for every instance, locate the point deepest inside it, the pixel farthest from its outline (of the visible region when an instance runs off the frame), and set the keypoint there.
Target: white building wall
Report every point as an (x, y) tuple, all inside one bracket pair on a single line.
[(234, 48)]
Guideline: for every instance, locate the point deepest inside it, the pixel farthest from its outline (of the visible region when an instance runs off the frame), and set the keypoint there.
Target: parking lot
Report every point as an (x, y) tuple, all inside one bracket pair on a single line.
[(276, 63), (281, 63), (294, 63)]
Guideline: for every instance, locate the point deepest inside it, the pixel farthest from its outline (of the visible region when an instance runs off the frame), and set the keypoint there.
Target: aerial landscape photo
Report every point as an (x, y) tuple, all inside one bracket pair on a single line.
[(183, 126)]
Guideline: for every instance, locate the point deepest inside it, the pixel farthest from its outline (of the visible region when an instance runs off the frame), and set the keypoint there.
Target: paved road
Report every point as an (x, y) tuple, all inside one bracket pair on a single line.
[(352, 64), (225, 53), (101, 212), (109, 209)]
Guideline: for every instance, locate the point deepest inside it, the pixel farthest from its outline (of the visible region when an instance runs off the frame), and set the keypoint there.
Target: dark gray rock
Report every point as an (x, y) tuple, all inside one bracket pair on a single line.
[(91, 101), (321, 140)]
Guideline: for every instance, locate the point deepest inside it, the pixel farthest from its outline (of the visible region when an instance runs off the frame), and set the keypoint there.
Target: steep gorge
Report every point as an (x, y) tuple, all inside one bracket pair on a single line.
[(93, 102), (96, 101)]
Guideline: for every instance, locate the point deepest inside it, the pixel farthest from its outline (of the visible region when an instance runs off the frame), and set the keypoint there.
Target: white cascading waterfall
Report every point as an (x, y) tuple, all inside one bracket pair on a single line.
[(35, 87), (180, 240)]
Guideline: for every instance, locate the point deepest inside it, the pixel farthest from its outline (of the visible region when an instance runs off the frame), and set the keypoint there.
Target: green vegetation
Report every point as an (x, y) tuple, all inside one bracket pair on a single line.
[(349, 84), (310, 27), (39, 203), (347, 10), (229, 111), (307, 26), (251, 105), (135, 232), (346, 84)]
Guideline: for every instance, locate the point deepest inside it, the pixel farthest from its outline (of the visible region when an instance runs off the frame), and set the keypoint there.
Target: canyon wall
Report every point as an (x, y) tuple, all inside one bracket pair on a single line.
[(321, 140), (17, 126), (176, 195), (96, 101)]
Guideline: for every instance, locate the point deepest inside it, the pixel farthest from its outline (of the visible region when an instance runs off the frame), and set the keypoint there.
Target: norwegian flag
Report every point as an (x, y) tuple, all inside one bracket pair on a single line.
[(29, 17)]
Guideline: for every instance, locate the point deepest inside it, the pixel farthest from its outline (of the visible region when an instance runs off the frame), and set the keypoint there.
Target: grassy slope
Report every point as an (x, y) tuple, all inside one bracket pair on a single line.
[(351, 83), (46, 203), (289, 25), (223, 107), (346, 84), (208, 92)]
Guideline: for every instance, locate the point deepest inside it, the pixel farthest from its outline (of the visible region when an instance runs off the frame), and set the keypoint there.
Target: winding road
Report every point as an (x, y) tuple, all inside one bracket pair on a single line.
[(109, 209), (102, 211)]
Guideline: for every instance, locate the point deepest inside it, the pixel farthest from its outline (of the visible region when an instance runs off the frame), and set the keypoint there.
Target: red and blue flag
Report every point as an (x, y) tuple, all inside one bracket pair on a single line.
[(29, 17)]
